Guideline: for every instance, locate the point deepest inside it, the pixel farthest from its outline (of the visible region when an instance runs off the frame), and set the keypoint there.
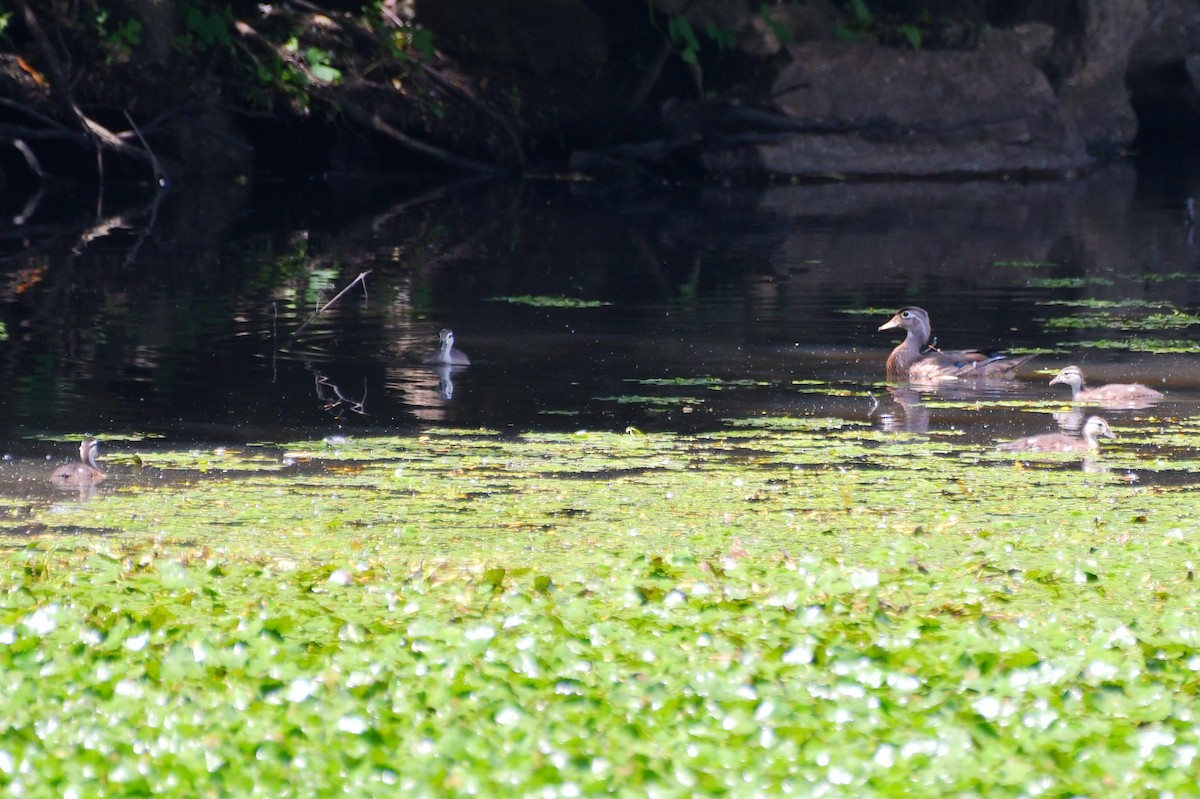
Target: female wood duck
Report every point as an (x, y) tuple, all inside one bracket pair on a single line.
[(1114, 394), (445, 354), (918, 360), (85, 472), (1058, 442)]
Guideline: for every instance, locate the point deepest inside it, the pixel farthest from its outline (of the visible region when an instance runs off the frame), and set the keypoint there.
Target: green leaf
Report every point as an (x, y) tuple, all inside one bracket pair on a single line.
[(318, 64), (911, 34), (422, 42)]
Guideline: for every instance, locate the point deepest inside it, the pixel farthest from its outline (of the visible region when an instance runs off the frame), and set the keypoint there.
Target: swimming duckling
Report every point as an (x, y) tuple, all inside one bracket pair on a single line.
[(1058, 442), (1111, 394), (917, 360), (86, 472), (445, 354)]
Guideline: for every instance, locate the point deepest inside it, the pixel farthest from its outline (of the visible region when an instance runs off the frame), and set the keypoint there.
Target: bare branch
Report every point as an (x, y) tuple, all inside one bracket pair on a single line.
[(30, 158), (362, 278), (374, 122), (98, 132)]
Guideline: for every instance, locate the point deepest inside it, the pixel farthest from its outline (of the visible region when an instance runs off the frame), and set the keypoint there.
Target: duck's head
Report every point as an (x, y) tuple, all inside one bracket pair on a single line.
[(88, 449), (910, 319), (446, 338), (1096, 426), (1070, 376)]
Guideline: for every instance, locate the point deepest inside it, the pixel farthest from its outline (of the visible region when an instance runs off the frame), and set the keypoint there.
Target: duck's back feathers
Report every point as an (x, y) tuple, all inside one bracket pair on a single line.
[(86, 472), (1093, 428), (1046, 442), (1113, 394)]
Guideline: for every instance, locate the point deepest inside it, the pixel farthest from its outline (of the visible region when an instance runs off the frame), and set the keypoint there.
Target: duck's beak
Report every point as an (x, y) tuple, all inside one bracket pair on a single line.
[(1055, 380), (1108, 433), (889, 324)]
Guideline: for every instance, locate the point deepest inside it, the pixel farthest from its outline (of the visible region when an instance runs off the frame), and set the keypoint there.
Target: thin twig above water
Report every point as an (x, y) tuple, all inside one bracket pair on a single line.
[(360, 279)]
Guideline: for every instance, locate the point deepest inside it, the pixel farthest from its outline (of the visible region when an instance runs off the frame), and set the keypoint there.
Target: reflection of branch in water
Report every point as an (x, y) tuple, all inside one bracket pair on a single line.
[(467, 243), (334, 401), (106, 226), (30, 206)]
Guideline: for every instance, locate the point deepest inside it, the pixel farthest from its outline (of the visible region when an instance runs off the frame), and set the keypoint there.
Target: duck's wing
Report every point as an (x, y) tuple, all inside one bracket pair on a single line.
[(1046, 442), (932, 367), (985, 363), (1117, 393)]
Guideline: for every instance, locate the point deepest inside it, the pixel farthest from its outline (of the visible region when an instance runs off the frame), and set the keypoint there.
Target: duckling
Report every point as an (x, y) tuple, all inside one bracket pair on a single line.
[(917, 360), (445, 354), (85, 472), (1117, 394), (1058, 442)]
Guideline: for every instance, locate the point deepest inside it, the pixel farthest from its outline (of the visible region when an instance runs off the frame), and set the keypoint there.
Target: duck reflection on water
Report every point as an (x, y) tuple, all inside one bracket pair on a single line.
[(429, 391), (445, 386), (910, 414), (84, 473), (444, 360)]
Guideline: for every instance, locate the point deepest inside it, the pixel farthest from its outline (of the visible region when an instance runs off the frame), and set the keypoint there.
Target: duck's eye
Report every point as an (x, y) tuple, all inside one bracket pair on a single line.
[(906, 314)]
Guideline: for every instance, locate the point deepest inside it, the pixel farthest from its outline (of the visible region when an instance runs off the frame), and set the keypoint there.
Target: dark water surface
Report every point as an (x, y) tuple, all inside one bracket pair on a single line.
[(179, 320)]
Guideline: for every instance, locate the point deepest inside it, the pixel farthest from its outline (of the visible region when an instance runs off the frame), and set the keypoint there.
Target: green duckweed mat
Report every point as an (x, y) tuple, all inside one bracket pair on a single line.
[(789, 607)]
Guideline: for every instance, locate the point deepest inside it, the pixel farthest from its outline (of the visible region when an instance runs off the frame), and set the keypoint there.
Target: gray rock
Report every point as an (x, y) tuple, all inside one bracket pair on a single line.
[(850, 109), (1031, 42), (1094, 91), (1171, 33)]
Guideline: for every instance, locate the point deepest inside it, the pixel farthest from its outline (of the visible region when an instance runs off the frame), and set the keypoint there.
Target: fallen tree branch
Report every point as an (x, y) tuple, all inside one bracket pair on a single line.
[(160, 177), (483, 108), (30, 158), (376, 123), (101, 136), (365, 40), (31, 112)]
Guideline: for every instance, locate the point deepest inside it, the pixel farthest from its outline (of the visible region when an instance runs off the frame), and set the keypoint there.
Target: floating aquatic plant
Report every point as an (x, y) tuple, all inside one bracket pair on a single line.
[(781, 602), (1067, 282), (1139, 344), (1175, 320), (1025, 263), (540, 301)]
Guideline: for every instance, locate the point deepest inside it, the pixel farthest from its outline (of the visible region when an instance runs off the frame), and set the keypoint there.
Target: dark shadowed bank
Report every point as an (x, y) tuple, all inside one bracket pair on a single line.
[(735, 89)]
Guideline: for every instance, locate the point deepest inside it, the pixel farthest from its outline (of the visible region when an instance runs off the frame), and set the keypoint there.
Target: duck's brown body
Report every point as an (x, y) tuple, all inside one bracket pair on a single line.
[(1111, 394), (916, 360), (1093, 428), (86, 472)]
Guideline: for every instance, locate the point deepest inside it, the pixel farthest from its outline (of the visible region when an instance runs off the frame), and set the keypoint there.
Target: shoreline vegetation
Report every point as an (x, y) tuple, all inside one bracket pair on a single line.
[(573, 89)]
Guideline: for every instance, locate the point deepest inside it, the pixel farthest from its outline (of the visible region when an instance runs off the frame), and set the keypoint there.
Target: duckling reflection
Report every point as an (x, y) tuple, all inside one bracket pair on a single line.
[(913, 416), (445, 386), (446, 354), (1070, 422), (84, 473)]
